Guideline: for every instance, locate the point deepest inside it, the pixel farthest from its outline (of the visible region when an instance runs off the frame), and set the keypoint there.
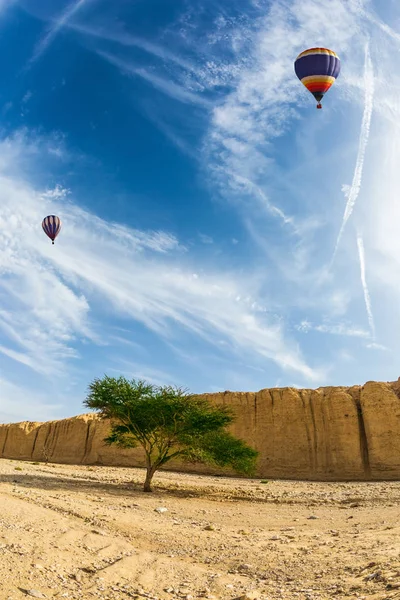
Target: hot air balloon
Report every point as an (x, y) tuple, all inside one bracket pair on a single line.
[(317, 69), (51, 226)]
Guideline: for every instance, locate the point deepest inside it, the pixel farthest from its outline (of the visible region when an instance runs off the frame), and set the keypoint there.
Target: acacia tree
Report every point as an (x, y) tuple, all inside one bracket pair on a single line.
[(168, 423)]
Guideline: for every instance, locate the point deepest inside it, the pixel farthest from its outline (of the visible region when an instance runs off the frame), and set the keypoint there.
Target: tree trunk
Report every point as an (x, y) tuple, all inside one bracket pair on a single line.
[(149, 476)]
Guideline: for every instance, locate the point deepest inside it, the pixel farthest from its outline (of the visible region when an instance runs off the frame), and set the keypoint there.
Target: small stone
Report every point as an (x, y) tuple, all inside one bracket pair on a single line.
[(244, 567), (34, 594), (372, 576), (210, 527), (99, 532), (161, 509), (312, 517), (251, 595)]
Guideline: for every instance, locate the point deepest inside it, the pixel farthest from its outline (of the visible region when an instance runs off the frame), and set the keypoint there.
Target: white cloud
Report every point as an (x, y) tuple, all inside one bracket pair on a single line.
[(18, 403), (353, 191), (367, 298), (6, 5), (206, 239), (137, 370), (27, 96), (124, 38), (71, 10), (333, 329), (168, 87), (375, 346), (51, 292), (278, 163)]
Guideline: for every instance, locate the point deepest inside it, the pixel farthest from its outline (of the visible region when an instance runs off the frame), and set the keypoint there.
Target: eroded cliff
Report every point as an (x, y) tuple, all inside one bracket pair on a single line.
[(332, 433)]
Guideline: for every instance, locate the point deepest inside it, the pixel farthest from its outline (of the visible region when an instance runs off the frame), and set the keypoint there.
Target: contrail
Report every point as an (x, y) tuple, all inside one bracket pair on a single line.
[(45, 42), (364, 136), (367, 298)]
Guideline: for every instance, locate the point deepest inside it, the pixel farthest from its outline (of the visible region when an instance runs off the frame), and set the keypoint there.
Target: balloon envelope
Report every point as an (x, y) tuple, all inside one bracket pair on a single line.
[(51, 226), (317, 69)]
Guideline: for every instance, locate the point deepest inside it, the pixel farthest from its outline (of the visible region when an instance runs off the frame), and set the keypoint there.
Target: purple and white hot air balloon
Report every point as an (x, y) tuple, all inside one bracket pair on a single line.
[(51, 226)]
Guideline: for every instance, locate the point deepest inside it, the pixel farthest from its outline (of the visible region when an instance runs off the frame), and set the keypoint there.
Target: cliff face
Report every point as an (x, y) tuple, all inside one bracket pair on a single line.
[(332, 433)]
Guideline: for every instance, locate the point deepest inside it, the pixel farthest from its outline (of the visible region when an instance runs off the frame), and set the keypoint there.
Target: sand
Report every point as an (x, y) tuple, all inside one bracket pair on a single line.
[(90, 532)]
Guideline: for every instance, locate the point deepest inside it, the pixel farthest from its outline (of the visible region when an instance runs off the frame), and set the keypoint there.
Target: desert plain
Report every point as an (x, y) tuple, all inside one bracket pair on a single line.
[(80, 532)]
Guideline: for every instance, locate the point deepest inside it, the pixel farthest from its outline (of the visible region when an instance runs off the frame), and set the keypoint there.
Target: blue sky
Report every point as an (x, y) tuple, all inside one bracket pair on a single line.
[(218, 231)]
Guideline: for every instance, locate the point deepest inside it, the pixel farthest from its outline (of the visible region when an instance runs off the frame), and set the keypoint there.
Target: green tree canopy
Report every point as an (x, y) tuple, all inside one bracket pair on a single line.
[(168, 423)]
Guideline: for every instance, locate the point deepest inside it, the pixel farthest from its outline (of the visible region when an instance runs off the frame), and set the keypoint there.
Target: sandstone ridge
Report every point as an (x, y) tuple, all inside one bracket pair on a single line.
[(332, 433)]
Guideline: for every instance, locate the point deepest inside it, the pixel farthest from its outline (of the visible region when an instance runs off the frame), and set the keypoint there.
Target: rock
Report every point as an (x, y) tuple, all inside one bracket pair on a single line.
[(312, 517), (161, 509), (99, 532), (244, 567), (34, 594), (297, 422), (251, 595), (393, 586), (210, 527), (377, 575)]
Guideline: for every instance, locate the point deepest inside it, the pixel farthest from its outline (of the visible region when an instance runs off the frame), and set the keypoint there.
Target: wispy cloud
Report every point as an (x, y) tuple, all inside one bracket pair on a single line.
[(354, 191), (367, 298), (333, 329), (6, 4), (143, 371), (206, 239), (239, 183), (18, 403), (370, 15), (170, 88), (50, 290), (127, 39), (171, 133), (265, 153), (71, 10)]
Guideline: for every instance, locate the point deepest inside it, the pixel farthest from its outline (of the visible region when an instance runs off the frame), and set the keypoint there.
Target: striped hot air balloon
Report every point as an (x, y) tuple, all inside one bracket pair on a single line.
[(51, 226), (317, 69)]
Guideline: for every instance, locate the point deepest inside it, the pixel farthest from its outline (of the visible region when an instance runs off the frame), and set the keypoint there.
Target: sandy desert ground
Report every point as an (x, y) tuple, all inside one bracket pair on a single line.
[(90, 532)]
